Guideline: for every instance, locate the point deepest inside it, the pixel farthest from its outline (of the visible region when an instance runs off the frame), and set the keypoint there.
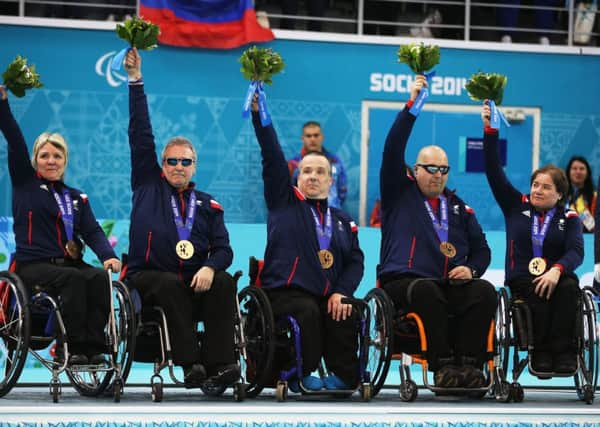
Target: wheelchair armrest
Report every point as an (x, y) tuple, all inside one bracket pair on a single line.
[(358, 304)]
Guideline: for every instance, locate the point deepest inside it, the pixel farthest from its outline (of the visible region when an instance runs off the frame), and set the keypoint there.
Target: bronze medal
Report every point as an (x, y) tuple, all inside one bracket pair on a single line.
[(73, 249), (448, 249), (184, 249), (326, 258), (537, 266)]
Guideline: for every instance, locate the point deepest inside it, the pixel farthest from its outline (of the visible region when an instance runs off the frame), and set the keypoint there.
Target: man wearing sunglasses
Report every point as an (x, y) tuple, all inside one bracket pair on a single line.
[(430, 234), (179, 247), (312, 140)]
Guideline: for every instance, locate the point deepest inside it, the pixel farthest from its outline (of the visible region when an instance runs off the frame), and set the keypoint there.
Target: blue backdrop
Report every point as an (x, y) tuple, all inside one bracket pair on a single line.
[(199, 93)]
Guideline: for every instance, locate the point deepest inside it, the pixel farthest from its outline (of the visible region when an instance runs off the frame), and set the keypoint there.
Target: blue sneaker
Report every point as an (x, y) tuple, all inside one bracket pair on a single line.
[(309, 382), (333, 382)]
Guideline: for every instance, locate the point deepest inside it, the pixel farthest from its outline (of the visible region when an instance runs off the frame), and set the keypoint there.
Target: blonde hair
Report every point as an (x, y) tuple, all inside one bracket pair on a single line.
[(55, 139)]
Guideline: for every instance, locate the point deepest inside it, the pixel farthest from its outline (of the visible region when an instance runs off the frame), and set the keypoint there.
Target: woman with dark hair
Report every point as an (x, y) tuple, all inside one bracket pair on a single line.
[(581, 196), (544, 246), (51, 219)]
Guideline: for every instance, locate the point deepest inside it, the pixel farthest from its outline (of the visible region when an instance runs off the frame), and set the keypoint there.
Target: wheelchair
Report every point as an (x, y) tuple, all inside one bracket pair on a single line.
[(401, 336), (30, 324), (272, 344), (153, 345), (516, 335)]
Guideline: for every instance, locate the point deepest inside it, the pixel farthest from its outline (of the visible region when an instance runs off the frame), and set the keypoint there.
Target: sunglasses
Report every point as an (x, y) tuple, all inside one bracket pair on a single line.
[(172, 161), (432, 169)]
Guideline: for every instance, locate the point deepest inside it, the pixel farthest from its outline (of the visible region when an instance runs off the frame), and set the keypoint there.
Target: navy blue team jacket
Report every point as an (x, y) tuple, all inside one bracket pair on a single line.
[(38, 227), (291, 258), (409, 244), (153, 234)]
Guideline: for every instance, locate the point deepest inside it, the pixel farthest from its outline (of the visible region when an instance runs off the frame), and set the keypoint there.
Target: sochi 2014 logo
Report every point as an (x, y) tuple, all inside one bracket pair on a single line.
[(104, 69)]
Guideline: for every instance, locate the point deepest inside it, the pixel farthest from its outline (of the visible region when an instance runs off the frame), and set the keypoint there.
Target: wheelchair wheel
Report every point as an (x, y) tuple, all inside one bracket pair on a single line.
[(15, 324), (94, 381), (380, 339), (503, 336), (586, 378), (258, 347)]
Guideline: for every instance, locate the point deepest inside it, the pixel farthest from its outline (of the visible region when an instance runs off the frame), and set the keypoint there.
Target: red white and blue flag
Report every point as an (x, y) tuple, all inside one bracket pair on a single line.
[(218, 24)]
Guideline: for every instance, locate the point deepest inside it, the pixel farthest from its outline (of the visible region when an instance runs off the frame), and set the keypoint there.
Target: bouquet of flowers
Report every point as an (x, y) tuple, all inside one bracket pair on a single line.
[(260, 64), (20, 77), (138, 33), (487, 86), (418, 57)]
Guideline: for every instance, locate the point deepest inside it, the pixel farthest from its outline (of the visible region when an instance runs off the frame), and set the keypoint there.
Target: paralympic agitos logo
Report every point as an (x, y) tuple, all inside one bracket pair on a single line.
[(103, 69)]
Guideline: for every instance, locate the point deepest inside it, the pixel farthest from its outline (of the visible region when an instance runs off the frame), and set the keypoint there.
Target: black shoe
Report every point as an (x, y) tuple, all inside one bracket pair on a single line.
[(447, 376), (194, 375), (472, 377), (225, 375), (97, 359), (542, 361), (565, 363)]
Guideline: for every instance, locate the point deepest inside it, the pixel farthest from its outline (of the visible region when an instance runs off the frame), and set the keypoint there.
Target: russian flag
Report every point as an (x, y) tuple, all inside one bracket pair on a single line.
[(218, 24)]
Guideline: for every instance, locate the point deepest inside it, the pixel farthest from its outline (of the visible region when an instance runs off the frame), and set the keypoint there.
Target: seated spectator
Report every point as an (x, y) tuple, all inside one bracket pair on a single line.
[(508, 19), (581, 196), (312, 140), (313, 8)]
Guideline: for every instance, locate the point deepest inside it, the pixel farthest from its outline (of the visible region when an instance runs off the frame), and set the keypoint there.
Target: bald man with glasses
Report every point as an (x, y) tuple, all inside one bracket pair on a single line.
[(179, 247), (429, 233)]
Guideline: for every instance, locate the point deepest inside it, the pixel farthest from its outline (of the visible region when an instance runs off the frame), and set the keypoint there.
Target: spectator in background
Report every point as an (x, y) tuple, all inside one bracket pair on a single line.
[(581, 196), (508, 19), (312, 140), (313, 8)]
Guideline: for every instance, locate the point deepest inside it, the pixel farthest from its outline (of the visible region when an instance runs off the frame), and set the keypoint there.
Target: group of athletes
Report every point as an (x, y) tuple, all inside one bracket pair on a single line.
[(179, 251)]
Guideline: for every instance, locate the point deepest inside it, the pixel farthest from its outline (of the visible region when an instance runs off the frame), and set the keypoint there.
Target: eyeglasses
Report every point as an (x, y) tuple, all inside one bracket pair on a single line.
[(172, 161), (435, 169)]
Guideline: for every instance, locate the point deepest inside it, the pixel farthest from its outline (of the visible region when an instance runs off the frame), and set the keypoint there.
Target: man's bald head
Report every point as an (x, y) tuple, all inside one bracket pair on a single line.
[(431, 184)]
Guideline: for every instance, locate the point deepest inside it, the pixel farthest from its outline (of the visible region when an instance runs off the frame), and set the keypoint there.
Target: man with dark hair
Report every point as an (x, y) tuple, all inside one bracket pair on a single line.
[(312, 261), (312, 140)]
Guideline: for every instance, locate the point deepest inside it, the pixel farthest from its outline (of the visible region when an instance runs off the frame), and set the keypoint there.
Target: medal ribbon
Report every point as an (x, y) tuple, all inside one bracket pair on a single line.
[(538, 235), (323, 233), (441, 226), (65, 205), (184, 230)]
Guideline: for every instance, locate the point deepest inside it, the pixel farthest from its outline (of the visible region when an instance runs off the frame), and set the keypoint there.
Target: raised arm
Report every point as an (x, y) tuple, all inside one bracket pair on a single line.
[(19, 165), (277, 187), (393, 177), (342, 182), (505, 194), (144, 163)]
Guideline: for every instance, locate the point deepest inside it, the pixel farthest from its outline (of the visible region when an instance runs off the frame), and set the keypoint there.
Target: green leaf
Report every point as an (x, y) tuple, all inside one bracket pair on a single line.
[(20, 77), (419, 57), (260, 64), (487, 86), (138, 33)]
